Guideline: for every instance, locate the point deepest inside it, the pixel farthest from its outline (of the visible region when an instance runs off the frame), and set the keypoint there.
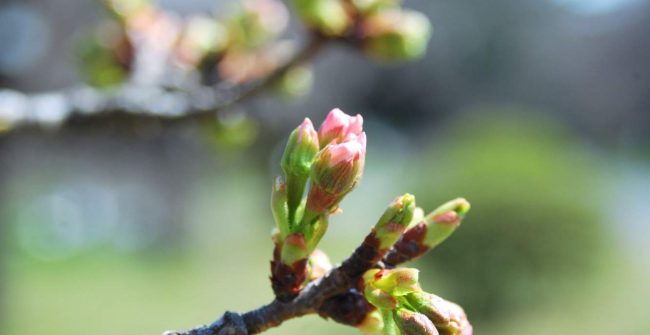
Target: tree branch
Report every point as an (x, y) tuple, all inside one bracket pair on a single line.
[(335, 283)]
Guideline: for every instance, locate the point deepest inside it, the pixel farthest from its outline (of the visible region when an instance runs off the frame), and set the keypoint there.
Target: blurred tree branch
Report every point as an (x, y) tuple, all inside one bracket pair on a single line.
[(143, 103)]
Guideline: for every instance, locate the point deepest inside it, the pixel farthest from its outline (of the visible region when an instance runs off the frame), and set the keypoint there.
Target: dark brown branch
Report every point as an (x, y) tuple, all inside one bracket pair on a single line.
[(140, 103), (335, 283), (409, 247)]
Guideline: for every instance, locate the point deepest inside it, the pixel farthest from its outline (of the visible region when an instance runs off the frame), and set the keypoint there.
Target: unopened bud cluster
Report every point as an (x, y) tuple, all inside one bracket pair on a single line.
[(427, 231), (407, 310), (241, 47), (319, 168), (143, 43), (386, 30), (332, 158)]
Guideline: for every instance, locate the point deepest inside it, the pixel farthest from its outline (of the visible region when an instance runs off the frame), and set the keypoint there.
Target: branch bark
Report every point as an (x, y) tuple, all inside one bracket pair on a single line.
[(335, 283)]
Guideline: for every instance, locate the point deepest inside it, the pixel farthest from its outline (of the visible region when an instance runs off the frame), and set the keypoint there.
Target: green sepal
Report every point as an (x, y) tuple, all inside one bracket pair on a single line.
[(279, 207), (316, 231), (296, 163), (390, 328)]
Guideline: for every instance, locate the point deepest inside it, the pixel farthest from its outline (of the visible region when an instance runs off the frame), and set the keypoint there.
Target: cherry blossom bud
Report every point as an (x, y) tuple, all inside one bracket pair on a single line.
[(395, 34), (431, 305), (443, 221), (338, 126), (448, 317), (394, 221), (296, 163), (459, 325), (413, 323), (428, 233), (329, 17), (336, 171)]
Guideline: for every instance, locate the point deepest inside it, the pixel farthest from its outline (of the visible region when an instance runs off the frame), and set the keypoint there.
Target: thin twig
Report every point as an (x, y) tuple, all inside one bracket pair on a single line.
[(336, 282)]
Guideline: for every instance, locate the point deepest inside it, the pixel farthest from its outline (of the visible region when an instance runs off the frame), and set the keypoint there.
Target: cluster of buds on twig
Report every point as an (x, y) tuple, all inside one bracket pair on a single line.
[(367, 290), (332, 159), (146, 44), (383, 28), (404, 308), (149, 45), (389, 299)]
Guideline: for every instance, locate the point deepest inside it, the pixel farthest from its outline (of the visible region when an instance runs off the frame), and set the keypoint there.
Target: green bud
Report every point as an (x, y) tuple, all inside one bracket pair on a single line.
[(313, 227), (394, 221), (390, 328), (413, 323), (296, 163), (279, 207), (443, 221), (458, 325), (395, 34), (448, 317), (431, 305), (327, 16)]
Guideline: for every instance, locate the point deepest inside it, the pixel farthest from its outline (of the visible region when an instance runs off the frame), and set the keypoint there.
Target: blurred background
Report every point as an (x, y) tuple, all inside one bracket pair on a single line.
[(537, 111)]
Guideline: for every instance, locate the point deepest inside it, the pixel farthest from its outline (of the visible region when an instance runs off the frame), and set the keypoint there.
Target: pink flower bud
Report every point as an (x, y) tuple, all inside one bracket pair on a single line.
[(336, 170), (338, 125)]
